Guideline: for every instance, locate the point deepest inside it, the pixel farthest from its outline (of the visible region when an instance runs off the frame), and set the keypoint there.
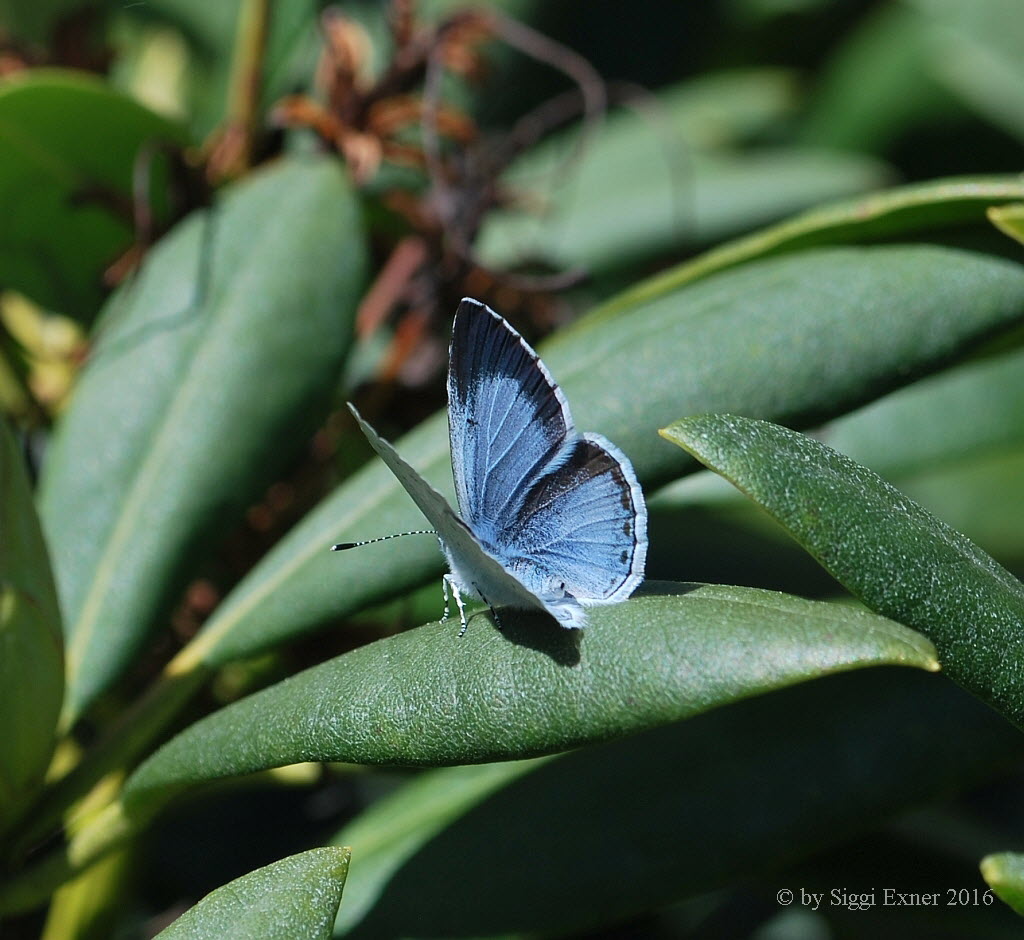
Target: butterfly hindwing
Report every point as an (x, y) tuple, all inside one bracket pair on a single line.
[(584, 525), (507, 418)]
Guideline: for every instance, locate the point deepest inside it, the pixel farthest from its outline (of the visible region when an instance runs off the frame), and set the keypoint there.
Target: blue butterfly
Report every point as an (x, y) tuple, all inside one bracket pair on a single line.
[(551, 519)]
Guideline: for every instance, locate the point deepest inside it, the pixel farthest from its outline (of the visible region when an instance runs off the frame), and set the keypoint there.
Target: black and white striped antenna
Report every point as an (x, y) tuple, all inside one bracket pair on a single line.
[(342, 546)]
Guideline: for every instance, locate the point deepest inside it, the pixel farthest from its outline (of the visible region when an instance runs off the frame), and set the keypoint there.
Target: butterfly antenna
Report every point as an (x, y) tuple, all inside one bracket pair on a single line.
[(341, 546)]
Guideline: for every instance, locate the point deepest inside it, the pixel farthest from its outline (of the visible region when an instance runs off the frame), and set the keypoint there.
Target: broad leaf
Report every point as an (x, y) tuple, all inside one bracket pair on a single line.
[(953, 442), (653, 179), (899, 212), (980, 498), (427, 698), (31, 653), (68, 149), (877, 85), (976, 50), (958, 416), (87, 906), (211, 369), (603, 833), (796, 339), (895, 556), (398, 826), (295, 897)]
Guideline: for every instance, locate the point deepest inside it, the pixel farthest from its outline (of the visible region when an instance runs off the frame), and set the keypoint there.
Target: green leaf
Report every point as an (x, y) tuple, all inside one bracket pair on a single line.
[(398, 826), (1005, 873), (957, 416), (714, 110), (953, 442), (976, 49), (68, 146), (88, 907), (637, 206), (606, 832), (31, 653), (899, 212), (1009, 220), (878, 86), (647, 181), (980, 498), (297, 897), (427, 698), (211, 370), (896, 557), (796, 339)]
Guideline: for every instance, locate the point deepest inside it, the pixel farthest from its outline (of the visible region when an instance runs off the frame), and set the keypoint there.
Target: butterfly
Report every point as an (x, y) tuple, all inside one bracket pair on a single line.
[(549, 519)]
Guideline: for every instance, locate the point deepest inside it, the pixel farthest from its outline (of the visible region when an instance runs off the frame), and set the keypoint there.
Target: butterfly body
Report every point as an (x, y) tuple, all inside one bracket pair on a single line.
[(549, 519)]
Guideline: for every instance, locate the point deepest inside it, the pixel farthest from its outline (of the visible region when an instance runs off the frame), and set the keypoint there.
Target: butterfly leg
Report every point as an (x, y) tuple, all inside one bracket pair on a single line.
[(494, 613), (450, 584)]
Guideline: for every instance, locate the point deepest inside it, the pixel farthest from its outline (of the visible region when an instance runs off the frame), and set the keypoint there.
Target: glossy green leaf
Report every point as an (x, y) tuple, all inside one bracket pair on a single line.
[(899, 212), (796, 339), (895, 556), (68, 146), (1005, 873), (645, 183), (31, 653), (211, 369), (294, 898), (606, 832), (640, 207), (426, 697)]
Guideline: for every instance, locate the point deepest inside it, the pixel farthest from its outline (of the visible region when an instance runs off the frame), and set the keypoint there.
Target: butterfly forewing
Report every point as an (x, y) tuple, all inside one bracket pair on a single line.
[(584, 525), (478, 570), (507, 418)]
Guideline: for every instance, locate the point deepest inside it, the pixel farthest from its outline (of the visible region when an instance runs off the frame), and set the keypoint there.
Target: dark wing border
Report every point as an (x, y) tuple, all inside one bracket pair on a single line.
[(540, 546)]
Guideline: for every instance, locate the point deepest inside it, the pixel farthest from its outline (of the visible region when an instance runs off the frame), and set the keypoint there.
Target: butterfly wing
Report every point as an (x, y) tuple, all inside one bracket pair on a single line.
[(472, 566), (507, 418), (583, 526), (553, 520)]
